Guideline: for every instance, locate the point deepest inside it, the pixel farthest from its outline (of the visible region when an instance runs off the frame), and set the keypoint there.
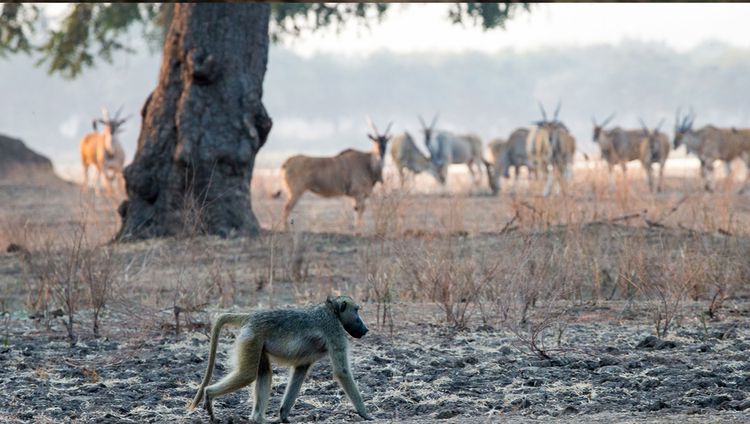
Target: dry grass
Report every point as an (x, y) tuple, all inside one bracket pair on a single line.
[(517, 261)]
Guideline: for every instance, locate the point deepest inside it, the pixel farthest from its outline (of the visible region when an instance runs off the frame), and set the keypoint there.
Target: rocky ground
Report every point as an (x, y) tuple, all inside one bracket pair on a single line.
[(608, 370)]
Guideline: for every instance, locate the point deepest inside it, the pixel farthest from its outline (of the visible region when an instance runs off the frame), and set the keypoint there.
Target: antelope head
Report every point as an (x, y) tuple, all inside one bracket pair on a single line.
[(598, 128), (380, 140), (682, 126), (428, 131), (111, 127)]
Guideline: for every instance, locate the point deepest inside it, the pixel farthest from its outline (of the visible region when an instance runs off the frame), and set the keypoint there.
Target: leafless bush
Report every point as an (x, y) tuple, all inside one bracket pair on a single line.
[(98, 271), (447, 272), (387, 212), (58, 270), (380, 274), (666, 283)]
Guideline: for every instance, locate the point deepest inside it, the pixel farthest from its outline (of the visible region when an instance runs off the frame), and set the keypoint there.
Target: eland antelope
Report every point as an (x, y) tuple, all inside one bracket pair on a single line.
[(618, 146), (351, 173), (447, 148), (710, 144), (406, 155), (550, 144), (653, 149), (104, 151)]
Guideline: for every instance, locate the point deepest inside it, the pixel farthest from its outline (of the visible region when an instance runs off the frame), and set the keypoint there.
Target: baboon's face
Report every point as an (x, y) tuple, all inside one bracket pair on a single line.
[(348, 312)]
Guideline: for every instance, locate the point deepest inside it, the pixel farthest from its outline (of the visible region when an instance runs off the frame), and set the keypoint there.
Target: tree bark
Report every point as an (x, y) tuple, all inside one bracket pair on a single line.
[(202, 126)]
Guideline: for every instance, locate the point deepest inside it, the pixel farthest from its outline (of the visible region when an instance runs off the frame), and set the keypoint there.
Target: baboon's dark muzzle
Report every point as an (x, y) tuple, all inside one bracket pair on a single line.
[(358, 330)]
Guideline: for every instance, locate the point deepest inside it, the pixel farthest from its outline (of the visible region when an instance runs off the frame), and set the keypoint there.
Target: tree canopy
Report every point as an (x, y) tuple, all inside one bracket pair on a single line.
[(88, 32)]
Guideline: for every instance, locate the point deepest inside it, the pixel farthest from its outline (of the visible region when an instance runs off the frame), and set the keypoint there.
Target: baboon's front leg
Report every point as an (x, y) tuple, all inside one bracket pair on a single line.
[(262, 389), (292, 391), (342, 373)]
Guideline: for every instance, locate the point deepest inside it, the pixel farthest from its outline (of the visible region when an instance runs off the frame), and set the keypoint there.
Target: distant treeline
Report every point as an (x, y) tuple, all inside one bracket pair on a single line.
[(319, 104)]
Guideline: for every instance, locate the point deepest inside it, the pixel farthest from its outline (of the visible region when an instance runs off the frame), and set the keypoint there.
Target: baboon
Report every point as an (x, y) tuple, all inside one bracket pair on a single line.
[(294, 337)]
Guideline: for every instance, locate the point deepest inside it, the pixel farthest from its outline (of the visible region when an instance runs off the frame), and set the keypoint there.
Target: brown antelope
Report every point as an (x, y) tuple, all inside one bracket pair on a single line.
[(711, 144), (653, 149), (447, 148), (406, 155), (618, 146), (351, 173), (549, 143), (104, 152)]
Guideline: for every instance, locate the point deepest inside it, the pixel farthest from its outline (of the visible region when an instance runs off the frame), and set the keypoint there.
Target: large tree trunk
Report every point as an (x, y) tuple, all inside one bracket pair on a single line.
[(202, 126)]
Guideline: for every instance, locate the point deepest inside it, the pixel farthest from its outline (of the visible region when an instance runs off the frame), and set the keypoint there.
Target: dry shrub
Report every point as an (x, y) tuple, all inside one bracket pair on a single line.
[(380, 275), (449, 273), (99, 272), (71, 276), (388, 210)]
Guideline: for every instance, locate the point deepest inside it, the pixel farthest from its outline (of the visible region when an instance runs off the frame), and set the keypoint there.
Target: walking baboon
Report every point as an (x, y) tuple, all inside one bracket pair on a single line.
[(295, 337)]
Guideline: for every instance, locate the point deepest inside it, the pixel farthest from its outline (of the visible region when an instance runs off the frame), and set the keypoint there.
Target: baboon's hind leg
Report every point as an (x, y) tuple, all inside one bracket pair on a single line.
[(249, 350)]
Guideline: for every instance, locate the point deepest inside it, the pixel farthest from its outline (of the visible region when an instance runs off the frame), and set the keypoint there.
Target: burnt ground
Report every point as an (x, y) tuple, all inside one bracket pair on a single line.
[(609, 368)]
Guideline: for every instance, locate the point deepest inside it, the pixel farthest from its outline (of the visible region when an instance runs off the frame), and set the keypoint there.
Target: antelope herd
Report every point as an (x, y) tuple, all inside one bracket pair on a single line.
[(546, 148)]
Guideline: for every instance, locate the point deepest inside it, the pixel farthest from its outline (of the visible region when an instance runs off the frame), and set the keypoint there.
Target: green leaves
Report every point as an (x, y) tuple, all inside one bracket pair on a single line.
[(87, 32), (488, 15), (16, 27), (96, 31)]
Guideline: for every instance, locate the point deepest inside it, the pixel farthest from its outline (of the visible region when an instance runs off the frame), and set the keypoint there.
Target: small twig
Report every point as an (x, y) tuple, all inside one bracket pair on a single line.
[(508, 227), (674, 208), (725, 232)]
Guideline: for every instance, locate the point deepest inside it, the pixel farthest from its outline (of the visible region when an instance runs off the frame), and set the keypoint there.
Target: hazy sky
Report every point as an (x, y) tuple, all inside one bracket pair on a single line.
[(424, 27)]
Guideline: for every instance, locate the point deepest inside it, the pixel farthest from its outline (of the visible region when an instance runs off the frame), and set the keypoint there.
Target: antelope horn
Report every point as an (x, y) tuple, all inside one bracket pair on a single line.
[(643, 125), (544, 114), (606, 121), (434, 121), (117, 114), (123, 120), (388, 128), (557, 110), (658, 127), (372, 126)]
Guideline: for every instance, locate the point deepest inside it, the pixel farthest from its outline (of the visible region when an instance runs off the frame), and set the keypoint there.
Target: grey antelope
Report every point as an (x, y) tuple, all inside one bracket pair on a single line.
[(502, 155), (351, 173), (550, 144), (447, 148), (406, 155), (104, 151), (654, 148), (711, 144)]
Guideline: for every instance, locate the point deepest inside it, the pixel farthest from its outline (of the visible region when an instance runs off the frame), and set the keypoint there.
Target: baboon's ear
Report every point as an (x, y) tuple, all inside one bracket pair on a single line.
[(342, 306)]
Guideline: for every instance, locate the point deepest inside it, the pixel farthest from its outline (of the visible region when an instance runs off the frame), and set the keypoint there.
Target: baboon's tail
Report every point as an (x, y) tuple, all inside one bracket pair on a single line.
[(221, 320)]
